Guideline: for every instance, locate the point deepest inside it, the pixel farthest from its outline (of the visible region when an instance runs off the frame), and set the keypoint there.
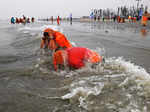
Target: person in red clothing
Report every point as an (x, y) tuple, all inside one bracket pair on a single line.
[(144, 19), (17, 20), (54, 40), (75, 57), (58, 20)]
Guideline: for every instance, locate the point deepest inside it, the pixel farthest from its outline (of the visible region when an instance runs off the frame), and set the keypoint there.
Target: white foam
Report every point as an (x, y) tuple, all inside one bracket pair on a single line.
[(80, 89), (83, 92), (133, 72), (25, 31)]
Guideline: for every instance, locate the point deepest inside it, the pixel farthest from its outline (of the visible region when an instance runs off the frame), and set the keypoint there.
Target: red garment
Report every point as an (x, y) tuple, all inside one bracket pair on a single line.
[(144, 20), (58, 19), (76, 57), (58, 58)]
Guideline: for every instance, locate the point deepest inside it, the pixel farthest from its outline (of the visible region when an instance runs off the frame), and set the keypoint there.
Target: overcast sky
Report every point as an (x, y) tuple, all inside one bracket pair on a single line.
[(47, 8)]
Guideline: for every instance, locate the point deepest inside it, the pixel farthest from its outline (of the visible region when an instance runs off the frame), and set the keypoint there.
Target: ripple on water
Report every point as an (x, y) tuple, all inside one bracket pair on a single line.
[(8, 59)]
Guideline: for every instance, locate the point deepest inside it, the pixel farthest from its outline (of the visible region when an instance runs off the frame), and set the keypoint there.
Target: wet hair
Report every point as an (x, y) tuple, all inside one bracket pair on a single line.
[(45, 34)]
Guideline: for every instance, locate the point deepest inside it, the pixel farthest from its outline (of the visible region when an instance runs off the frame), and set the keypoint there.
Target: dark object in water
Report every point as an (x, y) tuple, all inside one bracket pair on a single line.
[(106, 31)]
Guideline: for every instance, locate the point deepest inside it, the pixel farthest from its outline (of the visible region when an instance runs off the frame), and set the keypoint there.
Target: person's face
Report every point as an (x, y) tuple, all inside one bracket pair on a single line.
[(46, 37)]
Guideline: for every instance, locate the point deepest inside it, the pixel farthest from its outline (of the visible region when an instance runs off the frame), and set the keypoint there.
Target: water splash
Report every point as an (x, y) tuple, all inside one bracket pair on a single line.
[(117, 75)]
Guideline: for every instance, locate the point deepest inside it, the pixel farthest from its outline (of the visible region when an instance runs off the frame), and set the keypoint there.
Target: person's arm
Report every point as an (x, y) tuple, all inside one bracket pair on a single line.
[(55, 62), (52, 44), (42, 43)]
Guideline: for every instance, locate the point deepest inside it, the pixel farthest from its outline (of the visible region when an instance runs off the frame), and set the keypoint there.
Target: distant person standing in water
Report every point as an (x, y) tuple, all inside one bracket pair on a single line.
[(12, 20), (17, 20), (70, 18), (58, 20), (114, 18), (28, 20), (21, 20), (24, 18), (52, 19), (91, 15), (144, 19), (32, 19)]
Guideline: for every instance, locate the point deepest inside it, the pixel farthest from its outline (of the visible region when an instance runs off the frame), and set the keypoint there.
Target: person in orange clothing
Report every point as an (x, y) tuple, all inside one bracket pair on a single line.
[(118, 19), (54, 40), (144, 19), (75, 57)]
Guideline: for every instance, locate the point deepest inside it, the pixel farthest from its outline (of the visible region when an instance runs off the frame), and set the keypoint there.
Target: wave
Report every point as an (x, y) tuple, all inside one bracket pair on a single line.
[(126, 81)]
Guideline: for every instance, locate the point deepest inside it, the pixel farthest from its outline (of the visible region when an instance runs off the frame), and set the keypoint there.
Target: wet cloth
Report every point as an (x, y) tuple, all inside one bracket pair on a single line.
[(59, 40), (75, 57)]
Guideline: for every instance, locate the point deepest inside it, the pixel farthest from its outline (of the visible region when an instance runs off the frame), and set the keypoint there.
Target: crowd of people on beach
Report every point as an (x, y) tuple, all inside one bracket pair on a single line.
[(58, 19), (123, 13), (22, 20), (132, 19), (52, 19)]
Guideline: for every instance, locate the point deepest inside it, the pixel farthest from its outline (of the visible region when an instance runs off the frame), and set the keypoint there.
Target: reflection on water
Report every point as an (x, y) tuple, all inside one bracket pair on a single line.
[(132, 28), (144, 32)]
